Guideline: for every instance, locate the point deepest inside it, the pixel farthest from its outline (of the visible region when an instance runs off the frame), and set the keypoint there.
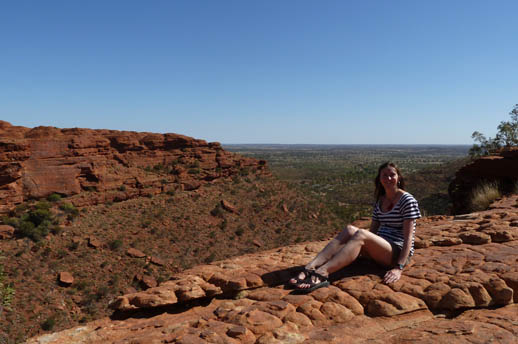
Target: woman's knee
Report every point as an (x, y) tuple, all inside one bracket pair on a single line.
[(359, 235), (347, 233)]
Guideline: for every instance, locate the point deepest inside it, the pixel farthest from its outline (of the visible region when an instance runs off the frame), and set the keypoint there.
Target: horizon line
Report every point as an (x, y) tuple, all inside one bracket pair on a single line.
[(350, 144)]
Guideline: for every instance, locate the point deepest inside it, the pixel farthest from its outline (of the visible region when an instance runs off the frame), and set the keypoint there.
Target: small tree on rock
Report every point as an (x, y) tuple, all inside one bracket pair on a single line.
[(507, 136)]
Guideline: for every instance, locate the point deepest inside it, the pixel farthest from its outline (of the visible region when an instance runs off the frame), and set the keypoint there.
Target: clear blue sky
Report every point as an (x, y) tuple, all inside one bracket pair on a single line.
[(264, 71)]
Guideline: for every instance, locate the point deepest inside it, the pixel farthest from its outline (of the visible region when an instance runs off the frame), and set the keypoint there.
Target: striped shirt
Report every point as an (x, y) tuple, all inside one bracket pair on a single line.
[(391, 222)]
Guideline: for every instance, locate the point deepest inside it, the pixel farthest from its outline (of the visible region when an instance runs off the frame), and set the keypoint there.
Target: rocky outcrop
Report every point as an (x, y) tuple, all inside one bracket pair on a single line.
[(98, 166), (501, 168), (461, 287)]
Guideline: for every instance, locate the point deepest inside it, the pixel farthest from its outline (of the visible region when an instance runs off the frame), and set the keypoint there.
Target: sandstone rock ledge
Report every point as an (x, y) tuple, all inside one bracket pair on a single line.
[(99, 166), (461, 287)]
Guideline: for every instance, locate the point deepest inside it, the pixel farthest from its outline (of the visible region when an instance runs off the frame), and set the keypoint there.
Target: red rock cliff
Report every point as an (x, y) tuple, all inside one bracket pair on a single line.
[(501, 168), (97, 166)]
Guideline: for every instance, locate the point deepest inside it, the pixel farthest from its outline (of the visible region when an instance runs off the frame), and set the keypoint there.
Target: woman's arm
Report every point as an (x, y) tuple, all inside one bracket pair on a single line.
[(375, 225), (394, 274), (408, 233)]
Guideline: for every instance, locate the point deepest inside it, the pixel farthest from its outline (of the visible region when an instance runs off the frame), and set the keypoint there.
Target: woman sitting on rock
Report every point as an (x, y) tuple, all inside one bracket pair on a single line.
[(389, 242)]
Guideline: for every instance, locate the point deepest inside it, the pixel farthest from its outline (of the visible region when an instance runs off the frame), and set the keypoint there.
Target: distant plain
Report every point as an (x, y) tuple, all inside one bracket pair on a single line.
[(341, 176)]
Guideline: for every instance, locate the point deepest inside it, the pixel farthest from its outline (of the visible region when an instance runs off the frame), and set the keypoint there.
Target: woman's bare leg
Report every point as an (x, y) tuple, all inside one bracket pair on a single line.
[(332, 248), (362, 241)]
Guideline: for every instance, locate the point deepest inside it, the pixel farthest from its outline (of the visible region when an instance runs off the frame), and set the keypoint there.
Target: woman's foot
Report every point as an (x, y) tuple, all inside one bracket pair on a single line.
[(295, 281), (313, 281)]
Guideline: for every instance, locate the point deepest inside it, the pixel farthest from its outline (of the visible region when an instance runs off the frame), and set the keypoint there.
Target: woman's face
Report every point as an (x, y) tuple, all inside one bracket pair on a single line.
[(389, 177)]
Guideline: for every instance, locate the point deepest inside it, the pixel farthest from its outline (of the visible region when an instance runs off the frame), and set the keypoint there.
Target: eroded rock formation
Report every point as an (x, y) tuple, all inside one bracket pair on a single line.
[(501, 168), (461, 287), (97, 166)]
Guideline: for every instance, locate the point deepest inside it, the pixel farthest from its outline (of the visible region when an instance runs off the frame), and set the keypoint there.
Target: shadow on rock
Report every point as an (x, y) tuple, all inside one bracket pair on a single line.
[(362, 266)]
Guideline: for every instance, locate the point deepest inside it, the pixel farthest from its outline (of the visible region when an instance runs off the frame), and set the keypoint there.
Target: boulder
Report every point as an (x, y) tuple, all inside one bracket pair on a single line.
[(133, 252), (65, 278), (6, 232)]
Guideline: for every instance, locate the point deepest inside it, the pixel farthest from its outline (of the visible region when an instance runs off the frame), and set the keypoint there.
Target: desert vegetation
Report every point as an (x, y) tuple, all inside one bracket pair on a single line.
[(507, 136), (341, 176), (174, 230), (483, 195), (35, 220), (6, 291)]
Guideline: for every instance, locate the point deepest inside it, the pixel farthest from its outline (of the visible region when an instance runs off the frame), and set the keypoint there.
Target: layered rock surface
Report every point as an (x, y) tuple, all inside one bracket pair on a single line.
[(461, 287), (97, 166)]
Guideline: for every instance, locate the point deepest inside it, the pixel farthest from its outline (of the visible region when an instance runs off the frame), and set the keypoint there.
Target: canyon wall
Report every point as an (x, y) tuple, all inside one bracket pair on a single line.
[(97, 166)]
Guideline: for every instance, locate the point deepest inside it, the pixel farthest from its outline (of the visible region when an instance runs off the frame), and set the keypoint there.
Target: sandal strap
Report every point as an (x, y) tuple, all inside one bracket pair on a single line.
[(298, 280), (319, 276)]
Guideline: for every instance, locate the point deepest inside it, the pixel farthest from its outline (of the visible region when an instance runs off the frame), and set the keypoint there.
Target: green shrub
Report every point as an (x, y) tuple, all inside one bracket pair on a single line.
[(54, 197), (39, 216), (223, 224), (61, 253), (48, 324), (82, 285), (115, 244), (56, 229), (6, 291), (210, 258), (69, 209), (483, 195), (217, 211), (20, 209), (43, 205), (102, 292), (73, 245), (11, 221), (35, 233)]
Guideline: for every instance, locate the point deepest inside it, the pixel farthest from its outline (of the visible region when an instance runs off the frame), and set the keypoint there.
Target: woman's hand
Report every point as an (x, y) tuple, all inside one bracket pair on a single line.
[(393, 275)]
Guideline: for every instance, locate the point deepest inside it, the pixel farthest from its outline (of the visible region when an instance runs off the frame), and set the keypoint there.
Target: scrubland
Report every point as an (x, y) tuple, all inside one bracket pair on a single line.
[(120, 247), (342, 176)]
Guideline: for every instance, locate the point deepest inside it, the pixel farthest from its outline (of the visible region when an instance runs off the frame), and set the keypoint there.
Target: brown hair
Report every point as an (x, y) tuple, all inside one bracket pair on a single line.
[(380, 190)]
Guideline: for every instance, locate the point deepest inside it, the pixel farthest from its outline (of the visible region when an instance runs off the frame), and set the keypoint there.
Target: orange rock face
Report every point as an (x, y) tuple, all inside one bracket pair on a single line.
[(6, 232), (462, 292), (97, 166), (502, 168)]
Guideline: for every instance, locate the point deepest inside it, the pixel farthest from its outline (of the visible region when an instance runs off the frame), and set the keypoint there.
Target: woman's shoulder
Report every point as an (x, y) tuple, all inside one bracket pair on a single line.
[(407, 197)]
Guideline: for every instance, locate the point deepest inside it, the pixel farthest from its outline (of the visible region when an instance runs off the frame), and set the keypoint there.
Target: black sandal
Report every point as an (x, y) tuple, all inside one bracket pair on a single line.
[(324, 282), (294, 285)]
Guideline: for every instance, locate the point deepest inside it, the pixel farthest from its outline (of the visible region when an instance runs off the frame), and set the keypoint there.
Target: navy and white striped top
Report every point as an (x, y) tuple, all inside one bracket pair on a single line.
[(391, 222)]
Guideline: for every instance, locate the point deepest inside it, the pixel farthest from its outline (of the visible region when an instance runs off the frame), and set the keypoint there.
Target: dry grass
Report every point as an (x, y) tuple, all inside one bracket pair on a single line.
[(483, 195)]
